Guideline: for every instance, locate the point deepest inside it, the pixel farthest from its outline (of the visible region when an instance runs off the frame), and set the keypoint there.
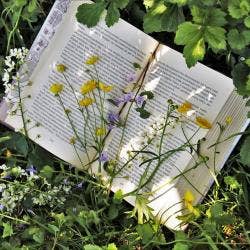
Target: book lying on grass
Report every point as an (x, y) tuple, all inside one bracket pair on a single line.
[(163, 72)]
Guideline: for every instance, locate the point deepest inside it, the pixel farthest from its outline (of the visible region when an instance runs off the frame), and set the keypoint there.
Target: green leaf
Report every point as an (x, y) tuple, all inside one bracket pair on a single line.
[(180, 246), (113, 15), (32, 6), (118, 196), (161, 17), (240, 77), (244, 152), (137, 65), (149, 94), (90, 14), (121, 4), (247, 21), (238, 40), (215, 37), (47, 172), (144, 114), (7, 230), (238, 8), (39, 157), (146, 232), (112, 246), (232, 182), (113, 212), (91, 247)]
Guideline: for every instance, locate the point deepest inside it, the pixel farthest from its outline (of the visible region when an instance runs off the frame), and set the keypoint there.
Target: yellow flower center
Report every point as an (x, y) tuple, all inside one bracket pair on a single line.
[(92, 60), (61, 68), (184, 107), (56, 88), (100, 131)]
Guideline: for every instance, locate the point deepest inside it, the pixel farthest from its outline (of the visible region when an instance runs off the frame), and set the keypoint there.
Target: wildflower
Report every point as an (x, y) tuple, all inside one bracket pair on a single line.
[(139, 100), (203, 123), (92, 60), (79, 185), (72, 140), (100, 131), (105, 88), (229, 120), (8, 153), (31, 170), (85, 102), (131, 77), (56, 88), (184, 107), (126, 98), (113, 117), (1, 207), (104, 156), (61, 68), (188, 202), (88, 87)]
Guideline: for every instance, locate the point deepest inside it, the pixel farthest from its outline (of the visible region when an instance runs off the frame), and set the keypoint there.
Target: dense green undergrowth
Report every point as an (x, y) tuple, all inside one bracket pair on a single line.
[(53, 206)]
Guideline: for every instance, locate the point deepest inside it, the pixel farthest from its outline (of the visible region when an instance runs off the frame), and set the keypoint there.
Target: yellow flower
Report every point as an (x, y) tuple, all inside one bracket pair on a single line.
[(72, 140), (8, 153), (61, 68), (229, 120), (203, 123), (184, 107), (92, 60), (88, 87), (188, 202), (86, 102), (104, 87), (56, 88), (100, 131)]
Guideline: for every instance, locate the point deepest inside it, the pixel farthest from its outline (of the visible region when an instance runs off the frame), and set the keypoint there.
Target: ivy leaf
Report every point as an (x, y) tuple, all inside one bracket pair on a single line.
[(90, 14), (113, 15), (7, 230), (244, 152)]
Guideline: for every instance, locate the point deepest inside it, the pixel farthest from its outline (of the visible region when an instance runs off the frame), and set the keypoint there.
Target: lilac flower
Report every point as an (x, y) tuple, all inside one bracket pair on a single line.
[(131, 77), (31, 170), (139, 100), (7, 177), (110, 127), (79, 185), (104, 156), (113, 117), (1, 207), (127, 97)]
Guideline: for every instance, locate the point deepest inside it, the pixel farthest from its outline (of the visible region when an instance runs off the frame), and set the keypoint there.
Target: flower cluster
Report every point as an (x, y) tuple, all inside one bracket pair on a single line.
[(12, 62), (19, 184)]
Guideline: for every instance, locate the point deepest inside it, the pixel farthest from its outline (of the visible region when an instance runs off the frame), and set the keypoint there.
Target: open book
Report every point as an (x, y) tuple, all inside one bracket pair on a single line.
[(63, 40)]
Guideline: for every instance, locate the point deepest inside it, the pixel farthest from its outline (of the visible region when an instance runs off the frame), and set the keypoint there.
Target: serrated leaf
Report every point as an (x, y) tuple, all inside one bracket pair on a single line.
[(215, 37), (121, 4), (238, 40), (163, 17), (247, 21), (113, 15), (112, 246), (232, 182), (7, 230), (240, 77), (238, 8), (90, 14), (244, 152)]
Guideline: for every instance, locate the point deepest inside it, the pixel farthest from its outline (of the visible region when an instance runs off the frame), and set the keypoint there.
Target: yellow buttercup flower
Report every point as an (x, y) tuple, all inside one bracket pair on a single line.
[(86, 102), (92, 60), (229, 120), (104, 87), (72, 140), (203, 123), (88, 87), (100, 131), (188, 202), (184, 107), (56, 88), (61, 68)]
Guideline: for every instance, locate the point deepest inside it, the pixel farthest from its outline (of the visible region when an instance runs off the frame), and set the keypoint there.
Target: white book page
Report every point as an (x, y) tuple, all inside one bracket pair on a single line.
[(118, 47), (169, 78)]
